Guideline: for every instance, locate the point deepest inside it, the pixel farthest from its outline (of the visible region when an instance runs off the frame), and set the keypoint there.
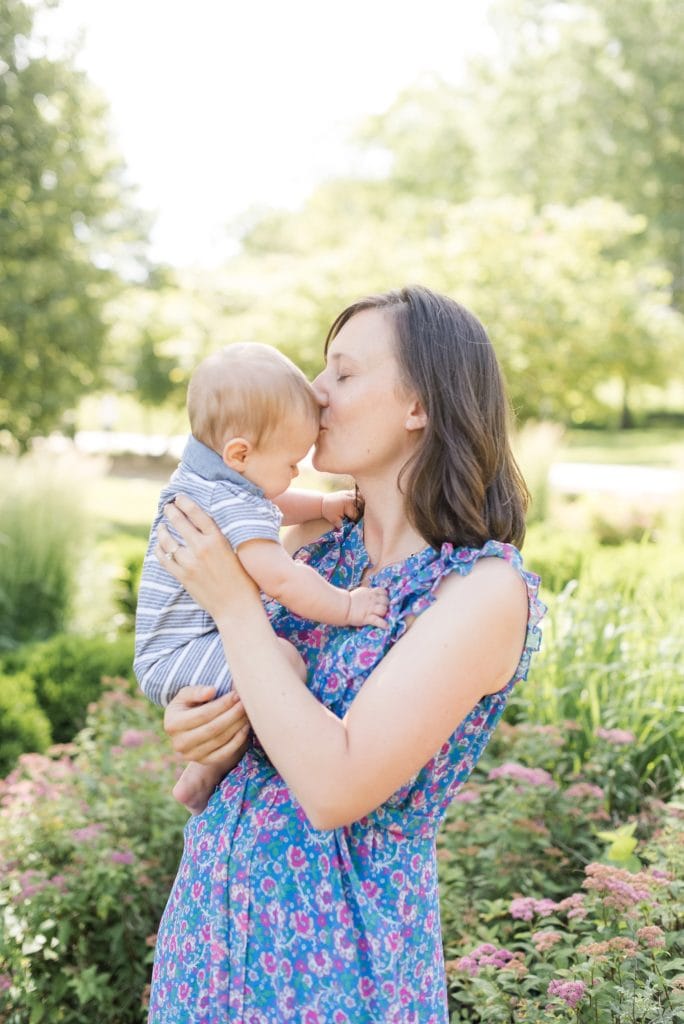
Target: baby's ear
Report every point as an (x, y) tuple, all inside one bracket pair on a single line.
[(235, 453)]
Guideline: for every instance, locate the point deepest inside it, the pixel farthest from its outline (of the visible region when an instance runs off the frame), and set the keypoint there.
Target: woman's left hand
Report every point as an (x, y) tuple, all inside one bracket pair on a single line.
[(204, 563)]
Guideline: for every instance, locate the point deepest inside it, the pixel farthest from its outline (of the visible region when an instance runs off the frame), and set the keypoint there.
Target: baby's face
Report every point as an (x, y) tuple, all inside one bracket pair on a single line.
[(273, 465)]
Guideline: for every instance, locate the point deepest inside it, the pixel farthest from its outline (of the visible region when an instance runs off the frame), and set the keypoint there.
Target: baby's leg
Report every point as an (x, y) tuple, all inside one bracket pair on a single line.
[(196, 785), (199, 781)]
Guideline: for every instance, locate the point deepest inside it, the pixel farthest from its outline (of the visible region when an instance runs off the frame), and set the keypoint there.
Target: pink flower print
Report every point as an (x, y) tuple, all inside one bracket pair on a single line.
[(183, 991), (340, 1018), (404, 996), (302, 923), (269, 963), (267, 884), (311, 1017), (398, 878), (366, 658), (366, 988), (197, 889), (296, 857), (370, 889), (320, 964), (393, 941), (242, 921), (344, 915)]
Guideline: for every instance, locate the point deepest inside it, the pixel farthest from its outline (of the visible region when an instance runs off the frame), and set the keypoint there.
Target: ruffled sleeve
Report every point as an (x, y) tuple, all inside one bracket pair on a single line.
[(462, 560)]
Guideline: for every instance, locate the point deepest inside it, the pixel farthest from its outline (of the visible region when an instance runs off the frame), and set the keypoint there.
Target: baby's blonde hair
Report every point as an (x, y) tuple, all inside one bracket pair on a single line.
[(246, 390)]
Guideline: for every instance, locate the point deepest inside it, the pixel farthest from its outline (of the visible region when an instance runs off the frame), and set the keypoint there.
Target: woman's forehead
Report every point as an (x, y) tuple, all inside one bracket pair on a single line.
[(367, 336)]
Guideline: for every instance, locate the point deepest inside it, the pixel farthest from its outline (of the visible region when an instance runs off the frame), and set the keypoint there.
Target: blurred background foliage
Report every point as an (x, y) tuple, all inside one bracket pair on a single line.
[(546, 191)]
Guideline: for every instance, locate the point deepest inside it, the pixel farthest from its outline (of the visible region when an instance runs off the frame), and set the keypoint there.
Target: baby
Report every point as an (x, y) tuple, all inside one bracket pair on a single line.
[(253, 417)]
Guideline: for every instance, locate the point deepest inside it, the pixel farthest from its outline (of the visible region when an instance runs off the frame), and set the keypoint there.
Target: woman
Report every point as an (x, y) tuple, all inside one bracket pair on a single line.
[(307, 890)]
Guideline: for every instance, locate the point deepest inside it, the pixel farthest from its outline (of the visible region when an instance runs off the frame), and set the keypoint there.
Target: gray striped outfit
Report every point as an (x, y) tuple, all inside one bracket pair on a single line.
[(176, 642)]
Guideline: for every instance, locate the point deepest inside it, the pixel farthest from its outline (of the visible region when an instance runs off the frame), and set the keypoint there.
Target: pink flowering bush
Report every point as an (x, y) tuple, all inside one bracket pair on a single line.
[(514, 828), (538, 926), (610, 952), (89, 843)]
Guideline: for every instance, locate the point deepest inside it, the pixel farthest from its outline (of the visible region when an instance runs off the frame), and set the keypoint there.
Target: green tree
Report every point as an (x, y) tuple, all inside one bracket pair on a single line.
[(587, 99), (570, 295), (68, 232)]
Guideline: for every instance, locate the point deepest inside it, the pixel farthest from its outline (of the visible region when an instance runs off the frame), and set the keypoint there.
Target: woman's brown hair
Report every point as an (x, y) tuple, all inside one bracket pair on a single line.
[(462, 484)]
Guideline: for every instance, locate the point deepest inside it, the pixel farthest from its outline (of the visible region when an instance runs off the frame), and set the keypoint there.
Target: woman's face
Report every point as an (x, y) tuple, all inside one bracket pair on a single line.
[(368, 418)]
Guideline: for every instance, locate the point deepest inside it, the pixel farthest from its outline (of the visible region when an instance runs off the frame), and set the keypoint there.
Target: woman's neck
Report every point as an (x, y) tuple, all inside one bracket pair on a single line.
[(387, 534)]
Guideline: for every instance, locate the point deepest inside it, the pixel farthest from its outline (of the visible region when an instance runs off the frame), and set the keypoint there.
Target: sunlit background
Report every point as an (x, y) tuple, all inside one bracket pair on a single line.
[(175, 177)]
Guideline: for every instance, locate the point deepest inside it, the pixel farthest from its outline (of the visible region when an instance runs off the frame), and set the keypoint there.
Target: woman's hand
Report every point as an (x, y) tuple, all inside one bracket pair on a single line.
[(204, 563), (207, 730)]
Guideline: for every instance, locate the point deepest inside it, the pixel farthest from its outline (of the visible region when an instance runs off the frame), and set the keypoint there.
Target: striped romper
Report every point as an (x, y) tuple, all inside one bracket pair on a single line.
[(176, 642)]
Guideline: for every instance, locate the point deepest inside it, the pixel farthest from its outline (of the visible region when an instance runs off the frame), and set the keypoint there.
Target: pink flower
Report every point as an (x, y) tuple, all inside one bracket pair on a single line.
[(88, 833), (618, 737), (5, 982), (531, 776), (525, 907), (486, 955), (135, 737), (652, 936), (467, 796), (545, 940), (583, 791), (619, 889), (570, 992), (122, 857)]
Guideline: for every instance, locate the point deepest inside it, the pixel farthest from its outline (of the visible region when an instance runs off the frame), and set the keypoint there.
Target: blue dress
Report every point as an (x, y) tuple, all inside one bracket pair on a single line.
[(270, 920)]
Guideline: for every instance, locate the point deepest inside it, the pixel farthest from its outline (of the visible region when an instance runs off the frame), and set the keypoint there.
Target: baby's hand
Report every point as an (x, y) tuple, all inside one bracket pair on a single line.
[(335, 506), (368, 607)]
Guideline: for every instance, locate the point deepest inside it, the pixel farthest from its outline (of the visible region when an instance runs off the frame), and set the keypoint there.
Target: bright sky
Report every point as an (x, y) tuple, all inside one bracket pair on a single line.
[(218, 106)]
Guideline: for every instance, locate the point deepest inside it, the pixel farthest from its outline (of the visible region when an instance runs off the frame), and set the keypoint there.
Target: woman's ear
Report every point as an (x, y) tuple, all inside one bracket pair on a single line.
[(235, 453), (417, 417)]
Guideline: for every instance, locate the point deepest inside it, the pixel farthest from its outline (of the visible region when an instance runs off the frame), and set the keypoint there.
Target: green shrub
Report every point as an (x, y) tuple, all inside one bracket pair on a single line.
[(41, 540), (67, 675), (90, 839), (520, 907), (610, 951), (558, 557), (23, 725), (612, 659)]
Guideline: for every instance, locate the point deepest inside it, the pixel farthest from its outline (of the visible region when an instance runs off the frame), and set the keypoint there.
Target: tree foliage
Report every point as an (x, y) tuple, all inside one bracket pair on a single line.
[(67, 229)]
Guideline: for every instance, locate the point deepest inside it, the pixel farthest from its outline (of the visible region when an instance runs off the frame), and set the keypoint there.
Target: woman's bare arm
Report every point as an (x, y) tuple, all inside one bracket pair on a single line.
[(466, 645)]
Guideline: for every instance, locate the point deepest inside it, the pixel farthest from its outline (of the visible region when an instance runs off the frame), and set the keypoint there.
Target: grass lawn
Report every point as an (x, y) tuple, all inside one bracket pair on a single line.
[(656, 447)]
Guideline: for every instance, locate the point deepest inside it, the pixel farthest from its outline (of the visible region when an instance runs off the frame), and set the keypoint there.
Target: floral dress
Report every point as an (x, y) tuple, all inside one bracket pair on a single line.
[(270, 920)]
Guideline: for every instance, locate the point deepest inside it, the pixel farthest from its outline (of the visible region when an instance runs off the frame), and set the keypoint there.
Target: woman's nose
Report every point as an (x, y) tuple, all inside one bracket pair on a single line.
[(319, 389)]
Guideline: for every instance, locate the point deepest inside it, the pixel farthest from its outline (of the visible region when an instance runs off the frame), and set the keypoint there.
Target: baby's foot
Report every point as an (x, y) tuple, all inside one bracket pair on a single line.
[(194, 788)]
